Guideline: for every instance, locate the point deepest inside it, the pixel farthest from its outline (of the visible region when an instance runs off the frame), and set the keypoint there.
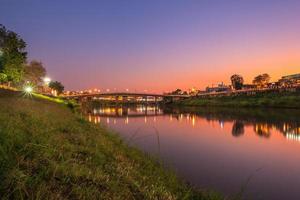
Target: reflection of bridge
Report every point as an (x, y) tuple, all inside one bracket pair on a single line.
[(125, 112), (126, 97), (131, 115)]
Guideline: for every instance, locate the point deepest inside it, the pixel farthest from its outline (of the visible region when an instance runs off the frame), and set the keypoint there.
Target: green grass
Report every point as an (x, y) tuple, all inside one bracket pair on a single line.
[(48, 152), (272, 100)]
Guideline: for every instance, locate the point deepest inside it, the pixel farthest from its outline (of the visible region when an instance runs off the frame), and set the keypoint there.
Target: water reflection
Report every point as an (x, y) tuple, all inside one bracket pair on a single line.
[(140, 110), (216, 148), (263, 124), (238, 128)]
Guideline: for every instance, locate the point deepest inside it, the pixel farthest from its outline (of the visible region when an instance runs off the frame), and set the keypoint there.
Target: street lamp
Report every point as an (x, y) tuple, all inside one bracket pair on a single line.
[(28, 89), (47, 80)]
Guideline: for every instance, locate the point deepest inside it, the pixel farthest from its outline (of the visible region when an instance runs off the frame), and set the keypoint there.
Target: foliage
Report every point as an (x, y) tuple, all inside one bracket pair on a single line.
[(1, 58), (34, 72), (13, 54), (262, 80), (14, 75), (237, 81), (55, 85), (47, 152), (273, 100), (3, 77), (177, 91)]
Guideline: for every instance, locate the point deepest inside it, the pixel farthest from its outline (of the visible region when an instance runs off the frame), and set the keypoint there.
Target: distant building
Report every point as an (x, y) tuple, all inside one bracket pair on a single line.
[(249, 86), (219, 88), (290, 80), (273, 85)]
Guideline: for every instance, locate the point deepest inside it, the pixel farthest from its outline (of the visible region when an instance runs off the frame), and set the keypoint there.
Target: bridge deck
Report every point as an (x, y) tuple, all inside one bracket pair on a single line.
[(124, 94)]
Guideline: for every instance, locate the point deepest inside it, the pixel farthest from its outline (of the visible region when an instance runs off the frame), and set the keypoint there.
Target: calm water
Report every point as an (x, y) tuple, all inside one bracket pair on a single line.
[(221, 149)]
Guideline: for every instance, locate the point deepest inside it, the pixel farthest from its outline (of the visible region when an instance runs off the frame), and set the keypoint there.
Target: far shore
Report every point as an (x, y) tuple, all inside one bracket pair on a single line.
[(263, 100)]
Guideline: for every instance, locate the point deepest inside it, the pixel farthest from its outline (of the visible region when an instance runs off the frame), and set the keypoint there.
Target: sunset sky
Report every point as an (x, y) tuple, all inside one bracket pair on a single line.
[(157, 45)]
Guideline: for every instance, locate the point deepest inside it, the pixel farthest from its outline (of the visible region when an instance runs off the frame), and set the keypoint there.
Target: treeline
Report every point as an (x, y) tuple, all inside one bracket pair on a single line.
[(237, 83), (16, 71), (259, 81)]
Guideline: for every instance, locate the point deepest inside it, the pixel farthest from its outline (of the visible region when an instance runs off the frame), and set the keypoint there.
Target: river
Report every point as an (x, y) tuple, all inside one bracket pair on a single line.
[(256, 151)]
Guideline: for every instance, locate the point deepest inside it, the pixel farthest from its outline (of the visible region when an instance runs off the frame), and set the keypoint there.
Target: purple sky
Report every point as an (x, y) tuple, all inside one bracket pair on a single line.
[(157, 45)]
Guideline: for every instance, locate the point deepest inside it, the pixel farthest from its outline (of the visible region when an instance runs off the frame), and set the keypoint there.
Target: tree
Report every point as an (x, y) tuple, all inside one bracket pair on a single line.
[(237, 81), (57, 86), (34, 72), (3, 78), (13, 55), (177, 91), (1, 57), (261, 80)]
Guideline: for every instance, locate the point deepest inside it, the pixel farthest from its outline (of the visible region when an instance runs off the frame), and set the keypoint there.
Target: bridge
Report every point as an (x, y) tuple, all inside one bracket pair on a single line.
[(126, 97)]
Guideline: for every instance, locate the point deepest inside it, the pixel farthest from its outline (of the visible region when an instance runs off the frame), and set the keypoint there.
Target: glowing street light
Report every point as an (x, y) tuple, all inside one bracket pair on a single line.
[(47, 80), (28, 89)]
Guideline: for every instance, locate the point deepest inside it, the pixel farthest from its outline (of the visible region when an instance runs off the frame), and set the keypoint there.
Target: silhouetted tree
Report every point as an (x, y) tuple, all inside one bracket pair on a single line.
[(177, 91), (34, 72), (261, 80), (55, 85), (237, 81)]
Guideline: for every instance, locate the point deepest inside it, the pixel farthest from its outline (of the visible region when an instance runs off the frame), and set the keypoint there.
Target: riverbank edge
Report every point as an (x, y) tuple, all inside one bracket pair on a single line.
[(172, 186), (278, 100)]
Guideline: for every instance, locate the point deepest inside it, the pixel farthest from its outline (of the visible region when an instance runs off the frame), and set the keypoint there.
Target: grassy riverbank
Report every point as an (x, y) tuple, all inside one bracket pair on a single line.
[(48, 152), (272, 100)]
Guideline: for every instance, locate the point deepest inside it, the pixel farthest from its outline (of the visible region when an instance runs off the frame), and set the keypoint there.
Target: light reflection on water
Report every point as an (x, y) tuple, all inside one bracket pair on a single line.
[(217, 148)]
